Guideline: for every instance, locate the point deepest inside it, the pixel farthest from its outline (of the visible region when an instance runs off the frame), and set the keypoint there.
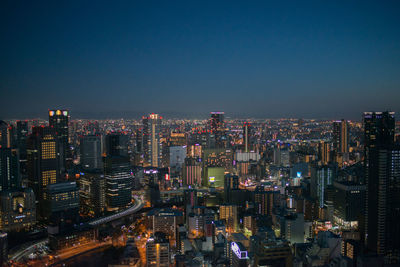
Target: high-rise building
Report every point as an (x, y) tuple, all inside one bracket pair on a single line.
[(92, 193), (340, 136), (117, 145), (321, 178), (9, 169), (216, 126), (22, 136), (192, 171), (246, 137), (119, 180), (157, 251), (382, 177), (91, 156), (43, 162), (6, 135), (324, 152), (58, 119), (151, 140)]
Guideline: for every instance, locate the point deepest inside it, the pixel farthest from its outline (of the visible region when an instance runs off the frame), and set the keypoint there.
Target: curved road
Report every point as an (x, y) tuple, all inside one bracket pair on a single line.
[(138, 205)]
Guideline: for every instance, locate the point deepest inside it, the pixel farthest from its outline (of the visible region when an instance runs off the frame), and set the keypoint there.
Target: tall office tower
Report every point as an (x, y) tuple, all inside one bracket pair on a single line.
[(247, 136), (9, 169), (117, 145), (6, 135), (382, 177), (231, 182), (58, 119), (91, 156), (229, 213), (217, 127), (22, 136), (43, 162), (321, 178), (324, 152), (157, 251), (119, 180), (340, 137), (151, 140)]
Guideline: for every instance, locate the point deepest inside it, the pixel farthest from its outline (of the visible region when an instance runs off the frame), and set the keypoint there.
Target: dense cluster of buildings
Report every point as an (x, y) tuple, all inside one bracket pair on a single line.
[(218, 192)]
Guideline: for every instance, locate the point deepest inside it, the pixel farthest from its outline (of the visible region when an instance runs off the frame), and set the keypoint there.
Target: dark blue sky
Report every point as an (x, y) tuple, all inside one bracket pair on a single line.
[(320, 59)]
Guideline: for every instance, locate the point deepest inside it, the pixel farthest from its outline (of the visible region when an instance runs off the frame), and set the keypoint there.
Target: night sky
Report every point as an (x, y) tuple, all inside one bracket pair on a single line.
[(109, 59)]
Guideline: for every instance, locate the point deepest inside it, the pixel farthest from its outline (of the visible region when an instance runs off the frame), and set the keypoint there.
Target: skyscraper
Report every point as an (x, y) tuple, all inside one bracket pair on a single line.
[(119, 181), (90, 148), (340, 137), (246, 136), (58, 119), (217, 127), (151, 140), (9, 169), (43, 161), (382, 171)]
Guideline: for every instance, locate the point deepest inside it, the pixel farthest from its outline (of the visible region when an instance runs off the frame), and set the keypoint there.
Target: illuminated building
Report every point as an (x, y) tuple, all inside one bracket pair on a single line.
[(264, 200), (151, 140), (321, 178), (247, 133), (92, 193), (58, 119), (340, 137), (229, 213), (217, 127), (194, 151), (157, 251), (90, 152), (165, 221), (43, 162), (192, 171), (9, 169), (214, 177), (348, 203), (17, 209), (6, 135), (324, 152), (218, 157), (177, 139), (119, 181), (239, 257), (382, 175), (62, 203)]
